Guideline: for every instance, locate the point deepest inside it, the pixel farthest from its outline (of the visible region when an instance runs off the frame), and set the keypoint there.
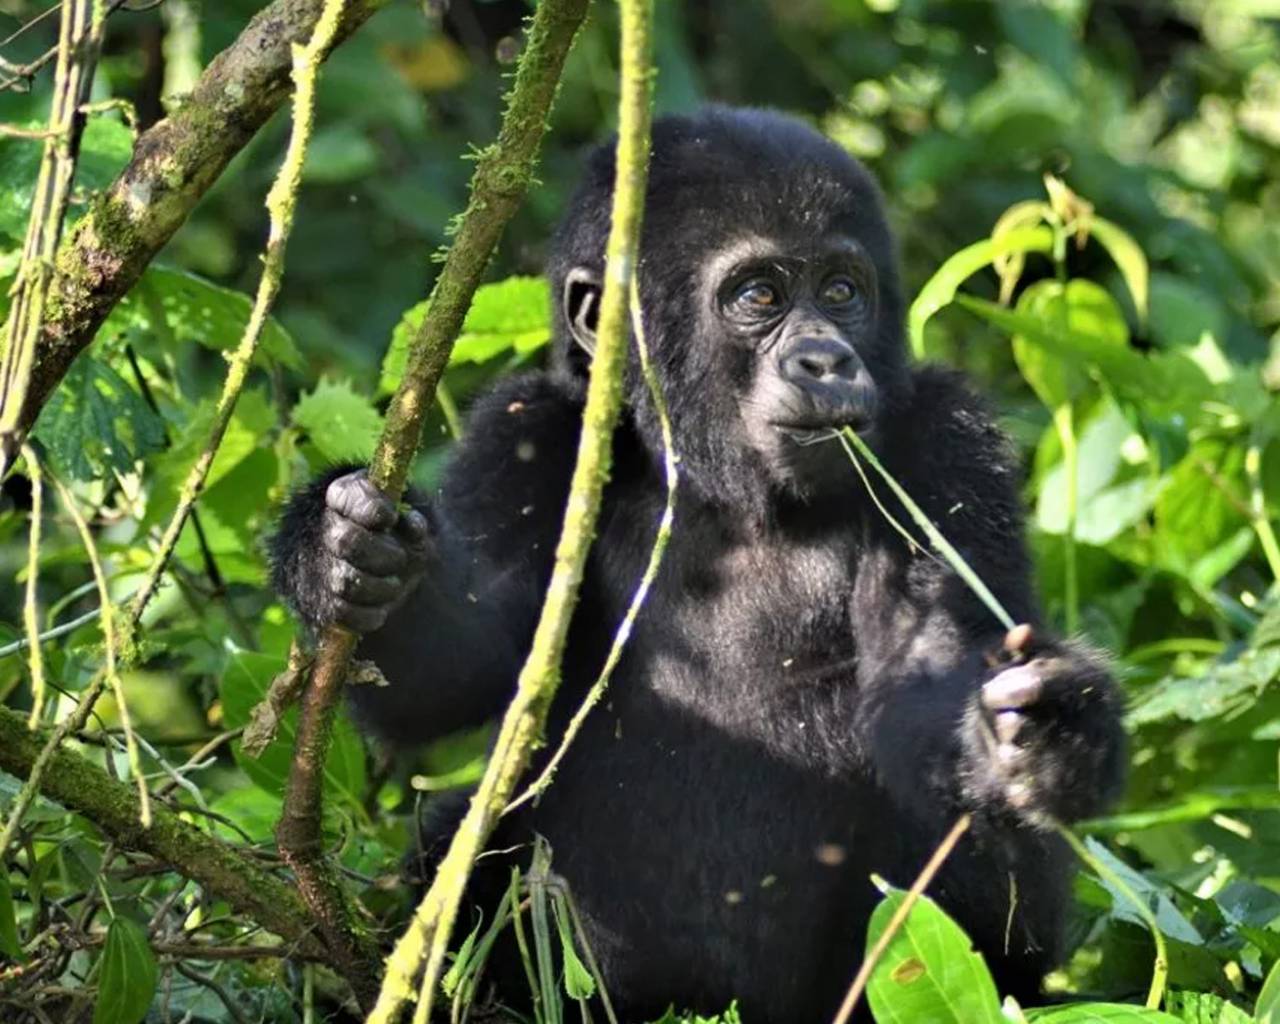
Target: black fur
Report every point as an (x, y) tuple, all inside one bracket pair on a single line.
[(801, 702)]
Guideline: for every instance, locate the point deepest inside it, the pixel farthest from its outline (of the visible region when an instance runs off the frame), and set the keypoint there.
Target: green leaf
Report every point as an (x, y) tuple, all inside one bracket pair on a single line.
[(9, 945), (1169, 918), (1204, 1008), (1226, 689), (243, 685), (510, 316), (1128, 256), (127, 976), (1156, 380), (940, 290), (578, 982), (1267, 1008), (96, 422), (196, 310), (930, 972), (1100, 1013), (105, 148), (1079, 306), (343, 425)]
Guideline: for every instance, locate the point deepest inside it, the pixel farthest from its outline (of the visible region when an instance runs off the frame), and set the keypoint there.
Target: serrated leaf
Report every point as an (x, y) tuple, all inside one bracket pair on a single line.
[(1226, 688), (10, 948), (930, 970), (940, 290), (95, 421), (343, 425), (512, 315), (127, 975), (196, 310)]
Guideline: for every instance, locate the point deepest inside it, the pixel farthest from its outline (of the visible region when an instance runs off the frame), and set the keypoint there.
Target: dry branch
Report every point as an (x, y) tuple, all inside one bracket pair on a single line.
[(173, 165)]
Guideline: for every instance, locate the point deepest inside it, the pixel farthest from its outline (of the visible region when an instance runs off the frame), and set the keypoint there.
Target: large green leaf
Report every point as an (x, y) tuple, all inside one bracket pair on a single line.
[(1079, 306), (510, 316), (940, 290), (930, 972), (127, 975), (1267, 1009), (95, 421)]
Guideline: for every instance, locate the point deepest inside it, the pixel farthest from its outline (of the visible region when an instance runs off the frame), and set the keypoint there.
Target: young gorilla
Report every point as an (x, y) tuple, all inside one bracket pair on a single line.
[(807, 698)]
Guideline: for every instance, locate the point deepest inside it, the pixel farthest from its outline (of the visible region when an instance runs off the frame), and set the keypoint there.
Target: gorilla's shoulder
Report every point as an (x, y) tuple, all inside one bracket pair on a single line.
[(953, 455)]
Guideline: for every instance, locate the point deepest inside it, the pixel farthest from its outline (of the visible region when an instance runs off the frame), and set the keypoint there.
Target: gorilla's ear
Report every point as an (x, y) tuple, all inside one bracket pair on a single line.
[(582, 306)]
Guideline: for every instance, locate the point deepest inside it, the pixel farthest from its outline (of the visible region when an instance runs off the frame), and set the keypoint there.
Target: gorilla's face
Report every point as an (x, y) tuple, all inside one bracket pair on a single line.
[(803, 318)]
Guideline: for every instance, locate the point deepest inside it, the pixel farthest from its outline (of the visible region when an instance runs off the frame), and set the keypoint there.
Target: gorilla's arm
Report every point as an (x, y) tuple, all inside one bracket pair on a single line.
[(953, 718), (446, 593)]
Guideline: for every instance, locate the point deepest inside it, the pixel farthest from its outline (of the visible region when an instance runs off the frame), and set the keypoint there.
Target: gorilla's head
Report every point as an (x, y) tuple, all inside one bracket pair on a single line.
[(770, 296)]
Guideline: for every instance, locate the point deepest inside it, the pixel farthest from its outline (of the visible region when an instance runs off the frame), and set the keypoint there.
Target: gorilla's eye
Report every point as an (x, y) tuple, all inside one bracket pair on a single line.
[(760, 294), (839, 291)]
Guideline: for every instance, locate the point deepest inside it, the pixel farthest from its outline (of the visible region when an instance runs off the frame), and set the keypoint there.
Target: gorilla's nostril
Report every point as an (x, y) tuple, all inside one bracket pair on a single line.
[(814, 366)]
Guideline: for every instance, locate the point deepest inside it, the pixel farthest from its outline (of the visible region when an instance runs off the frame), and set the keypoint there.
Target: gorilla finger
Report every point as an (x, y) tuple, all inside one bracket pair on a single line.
[(364, 588), (355, 498), (359, 619), (1014, 688), (1019, 639), (370, 552), (413, 529), (1008, 724)]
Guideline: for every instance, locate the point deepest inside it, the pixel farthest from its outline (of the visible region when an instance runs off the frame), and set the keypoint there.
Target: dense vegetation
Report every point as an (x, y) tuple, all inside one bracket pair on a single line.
[(1088, 196)]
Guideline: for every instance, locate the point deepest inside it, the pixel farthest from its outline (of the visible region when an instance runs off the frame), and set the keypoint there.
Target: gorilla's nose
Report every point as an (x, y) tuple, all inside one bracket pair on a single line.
[(820, 363)]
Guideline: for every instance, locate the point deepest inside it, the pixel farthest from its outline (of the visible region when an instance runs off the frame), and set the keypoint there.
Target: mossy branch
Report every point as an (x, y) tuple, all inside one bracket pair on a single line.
[(174, 163), (501, 178), (112, 806), (426, 940)]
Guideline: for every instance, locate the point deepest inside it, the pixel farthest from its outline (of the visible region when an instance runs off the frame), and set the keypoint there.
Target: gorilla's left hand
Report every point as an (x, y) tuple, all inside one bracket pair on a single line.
[(1043, 735)]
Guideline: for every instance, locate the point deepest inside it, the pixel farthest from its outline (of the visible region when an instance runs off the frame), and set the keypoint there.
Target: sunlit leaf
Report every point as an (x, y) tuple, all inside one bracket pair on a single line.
[(930, 970), (1129, 257), (1100, 1013), (941, 288), (510, 316), (343, 425)]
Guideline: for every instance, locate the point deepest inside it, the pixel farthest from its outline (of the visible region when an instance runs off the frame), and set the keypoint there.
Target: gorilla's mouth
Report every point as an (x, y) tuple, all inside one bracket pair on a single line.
[(805, 434)]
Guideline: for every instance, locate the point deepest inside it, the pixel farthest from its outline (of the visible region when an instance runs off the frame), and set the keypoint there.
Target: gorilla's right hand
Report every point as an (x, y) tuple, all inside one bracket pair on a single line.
[(372, 556)]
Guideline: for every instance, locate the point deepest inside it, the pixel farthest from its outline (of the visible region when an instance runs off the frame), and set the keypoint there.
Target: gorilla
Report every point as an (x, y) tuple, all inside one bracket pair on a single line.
[(807, 698)]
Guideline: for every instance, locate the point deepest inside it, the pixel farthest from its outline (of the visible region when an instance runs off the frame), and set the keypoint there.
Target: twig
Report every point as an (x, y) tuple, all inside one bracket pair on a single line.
[(30, 608), (79, 39), (427, 937), (899, 918), (22, 643), (623, 633), (851, 441), (111, 645), (80, 786)]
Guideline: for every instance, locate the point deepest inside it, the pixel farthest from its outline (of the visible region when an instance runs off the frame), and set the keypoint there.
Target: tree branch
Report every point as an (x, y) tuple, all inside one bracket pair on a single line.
[(173, 165), (81, 786), (426, 940), (502, 176)]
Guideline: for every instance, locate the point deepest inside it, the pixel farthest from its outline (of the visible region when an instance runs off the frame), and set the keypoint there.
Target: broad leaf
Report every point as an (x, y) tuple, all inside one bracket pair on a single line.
[(95, 421), (127, 975), (9, 946), (1128, 257), (930, 970), (1100, 1013), (512, 315)]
